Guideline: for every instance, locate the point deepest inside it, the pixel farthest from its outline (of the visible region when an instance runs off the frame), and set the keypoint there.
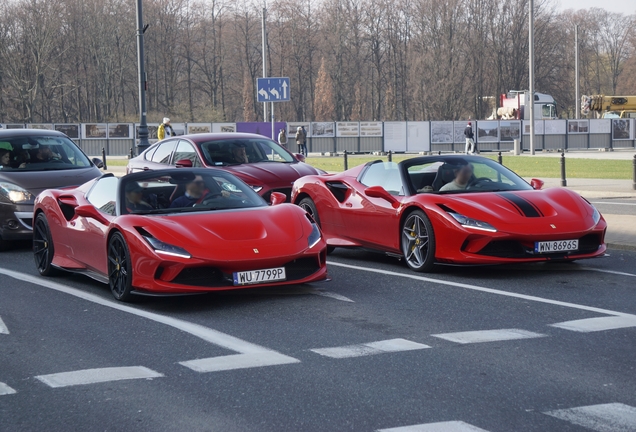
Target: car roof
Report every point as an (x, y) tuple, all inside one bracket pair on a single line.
[(6, 133), (214, 136)]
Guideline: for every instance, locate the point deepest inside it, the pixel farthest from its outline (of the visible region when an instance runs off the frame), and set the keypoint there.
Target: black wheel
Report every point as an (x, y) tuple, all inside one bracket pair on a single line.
[(309, 206), (119, 268), (418, 242), (43, 246)]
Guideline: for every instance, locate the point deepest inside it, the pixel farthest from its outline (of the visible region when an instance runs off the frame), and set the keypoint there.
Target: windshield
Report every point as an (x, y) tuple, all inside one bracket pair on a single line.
[(40, 153), (461, 175), (185, 190), (240, 151)]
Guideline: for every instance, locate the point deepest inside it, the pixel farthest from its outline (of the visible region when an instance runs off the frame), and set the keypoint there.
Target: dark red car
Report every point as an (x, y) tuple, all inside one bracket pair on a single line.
[(257, 160)]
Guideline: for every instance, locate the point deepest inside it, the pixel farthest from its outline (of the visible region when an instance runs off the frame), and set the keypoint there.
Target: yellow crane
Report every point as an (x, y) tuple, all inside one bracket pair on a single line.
[(609, 106)]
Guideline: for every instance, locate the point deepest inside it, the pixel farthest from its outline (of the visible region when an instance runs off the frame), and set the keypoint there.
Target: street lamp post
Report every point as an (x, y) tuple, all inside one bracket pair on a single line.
[(531, 73), (143, 125)]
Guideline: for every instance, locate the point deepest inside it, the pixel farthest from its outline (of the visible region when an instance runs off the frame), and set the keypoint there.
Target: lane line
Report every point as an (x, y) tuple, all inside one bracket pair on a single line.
[(92, 376), (371, 348), (6, 390), (3, 327), (609, 271), (612, 417), (207, 334), (479, 336), (485, 290), (589, 325), (238, 361), (331, 295), (449, 426), (612, 203)]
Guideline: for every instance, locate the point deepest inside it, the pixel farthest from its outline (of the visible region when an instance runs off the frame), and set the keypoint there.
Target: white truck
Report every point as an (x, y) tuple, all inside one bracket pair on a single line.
[(516, 105)]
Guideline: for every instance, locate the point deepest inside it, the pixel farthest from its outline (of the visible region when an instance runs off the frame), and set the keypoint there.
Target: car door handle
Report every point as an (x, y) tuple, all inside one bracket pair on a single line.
[(348, 204), (146, 169)]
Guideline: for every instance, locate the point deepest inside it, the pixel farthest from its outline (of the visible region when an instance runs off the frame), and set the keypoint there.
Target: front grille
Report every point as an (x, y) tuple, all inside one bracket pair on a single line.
[(212, 277), (589, 243), (514, 249)]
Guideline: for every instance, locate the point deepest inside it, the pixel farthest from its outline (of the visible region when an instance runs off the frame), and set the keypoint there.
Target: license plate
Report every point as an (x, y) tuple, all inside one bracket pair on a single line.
[(259, 276), (556, 246)]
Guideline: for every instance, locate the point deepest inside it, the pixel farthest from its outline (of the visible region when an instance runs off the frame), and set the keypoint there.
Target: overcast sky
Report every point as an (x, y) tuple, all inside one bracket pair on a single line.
[(627, 7)]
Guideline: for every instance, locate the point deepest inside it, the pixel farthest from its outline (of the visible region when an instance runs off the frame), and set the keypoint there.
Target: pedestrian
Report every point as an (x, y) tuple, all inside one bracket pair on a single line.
[(470, 142), (301, 140), (165, 129), (282, 138)]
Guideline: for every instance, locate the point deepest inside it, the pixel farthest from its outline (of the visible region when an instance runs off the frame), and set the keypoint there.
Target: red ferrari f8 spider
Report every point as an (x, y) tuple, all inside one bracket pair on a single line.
[(453, 210), (176, 231)]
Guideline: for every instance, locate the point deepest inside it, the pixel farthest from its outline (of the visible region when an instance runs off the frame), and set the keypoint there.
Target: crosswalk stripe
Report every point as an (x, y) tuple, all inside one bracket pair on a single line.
[(449, 426), (5, 389), (371, 348), (238, 361), (598, 324), (92, 376), (3, 327), (487, 335), (612, 417)]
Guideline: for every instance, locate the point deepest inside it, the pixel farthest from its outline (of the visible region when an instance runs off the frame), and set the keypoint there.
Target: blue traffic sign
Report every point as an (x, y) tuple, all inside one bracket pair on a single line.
[(272, 89)]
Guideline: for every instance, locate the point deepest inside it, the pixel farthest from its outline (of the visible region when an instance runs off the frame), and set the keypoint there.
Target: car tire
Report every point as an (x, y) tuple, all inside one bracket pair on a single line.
[(119, 268), (309, 206), (418, 242), (43, 249)]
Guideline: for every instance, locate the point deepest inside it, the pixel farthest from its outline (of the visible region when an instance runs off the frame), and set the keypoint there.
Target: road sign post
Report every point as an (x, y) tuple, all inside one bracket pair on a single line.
[(272, 89)]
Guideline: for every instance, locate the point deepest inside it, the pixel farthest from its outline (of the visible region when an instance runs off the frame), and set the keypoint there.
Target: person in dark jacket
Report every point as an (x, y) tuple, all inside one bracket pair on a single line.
[(471, 148)]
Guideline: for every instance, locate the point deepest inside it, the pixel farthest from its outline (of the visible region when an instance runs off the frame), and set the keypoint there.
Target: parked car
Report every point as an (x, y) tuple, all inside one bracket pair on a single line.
[(142, 234), (257, 160), (451, 210), (32, 160)]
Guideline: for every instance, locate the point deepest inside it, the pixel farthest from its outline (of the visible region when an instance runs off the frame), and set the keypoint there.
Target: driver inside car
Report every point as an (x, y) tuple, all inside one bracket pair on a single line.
[(463, 175), (45, 154), (194, 194)]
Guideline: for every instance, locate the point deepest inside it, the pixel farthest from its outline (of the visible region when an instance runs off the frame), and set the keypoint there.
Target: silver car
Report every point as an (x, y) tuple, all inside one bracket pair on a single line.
[(32, 160)]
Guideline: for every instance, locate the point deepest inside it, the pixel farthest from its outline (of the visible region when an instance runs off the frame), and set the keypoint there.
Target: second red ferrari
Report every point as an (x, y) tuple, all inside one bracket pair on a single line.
[(453, 210)]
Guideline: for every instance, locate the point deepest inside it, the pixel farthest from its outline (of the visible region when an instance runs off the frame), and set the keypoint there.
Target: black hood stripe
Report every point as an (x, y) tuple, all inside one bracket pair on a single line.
[(523, 206)]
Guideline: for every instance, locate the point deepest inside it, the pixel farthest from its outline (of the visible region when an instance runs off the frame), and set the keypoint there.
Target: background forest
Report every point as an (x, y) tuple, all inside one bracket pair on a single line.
[(76, 60)]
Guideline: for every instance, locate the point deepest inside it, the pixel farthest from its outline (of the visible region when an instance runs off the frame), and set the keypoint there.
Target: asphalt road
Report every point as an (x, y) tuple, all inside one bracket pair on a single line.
[(619, 206), (546, 347)]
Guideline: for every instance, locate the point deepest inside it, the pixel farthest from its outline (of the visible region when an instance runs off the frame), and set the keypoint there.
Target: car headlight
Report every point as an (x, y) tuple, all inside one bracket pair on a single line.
[(596, 215), (256, 189), (15, 193), (472, 223), (167, 249), (315, 236)]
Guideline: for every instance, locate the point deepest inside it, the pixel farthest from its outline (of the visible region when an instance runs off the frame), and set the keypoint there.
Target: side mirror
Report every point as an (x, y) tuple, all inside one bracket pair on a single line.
[(300, 157), (277, 198), (380, 192), (183, 163), (536, 184), (98, 162), (89, 211)]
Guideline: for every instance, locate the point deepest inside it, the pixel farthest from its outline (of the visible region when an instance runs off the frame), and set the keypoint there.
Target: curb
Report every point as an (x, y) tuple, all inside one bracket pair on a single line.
[(620, 246)]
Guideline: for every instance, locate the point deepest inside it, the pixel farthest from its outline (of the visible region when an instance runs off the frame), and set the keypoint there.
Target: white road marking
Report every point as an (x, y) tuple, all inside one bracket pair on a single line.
[(478, 336), (3, 327), (331, 295), (612, 203), (597, 324), (6, 390), (449, 426), (92, 376), (486, 290), (609, 271), (238, 361), (612, 417), (207, 334), (371, 348)]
